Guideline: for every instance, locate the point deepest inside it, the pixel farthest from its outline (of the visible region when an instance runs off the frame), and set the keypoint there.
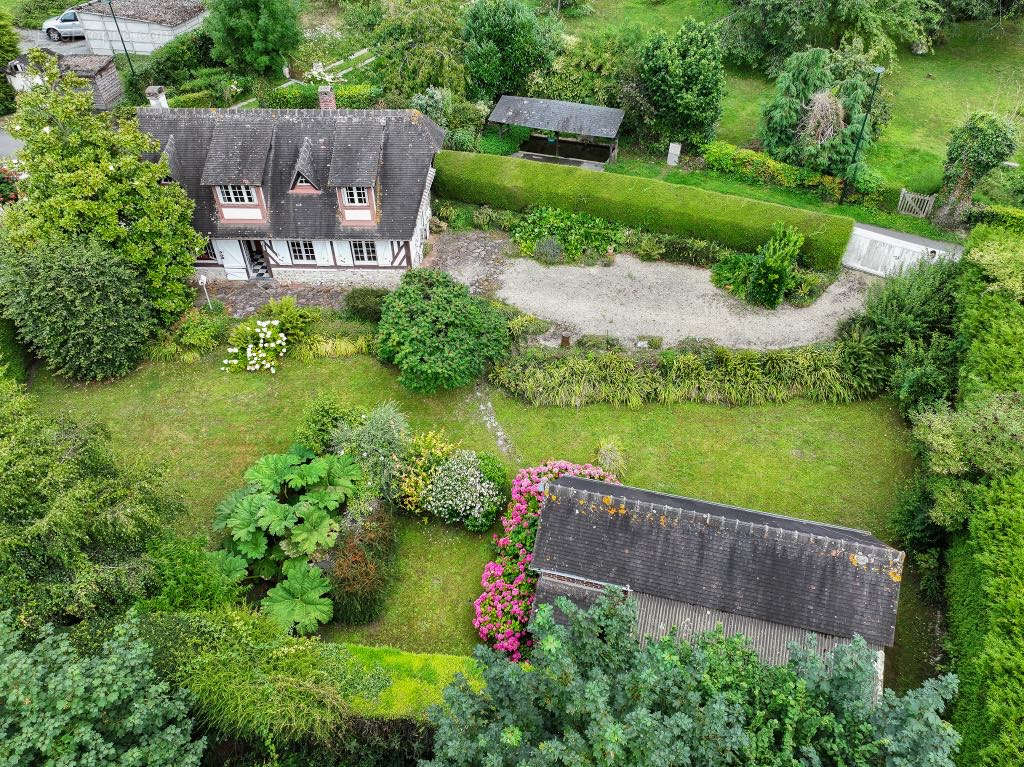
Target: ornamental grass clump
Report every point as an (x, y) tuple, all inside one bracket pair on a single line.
[(502, 611)]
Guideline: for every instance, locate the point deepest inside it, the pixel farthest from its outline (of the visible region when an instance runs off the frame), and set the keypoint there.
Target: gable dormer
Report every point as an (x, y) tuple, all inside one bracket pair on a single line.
[(356, 157), (235, 167), (304, 176)]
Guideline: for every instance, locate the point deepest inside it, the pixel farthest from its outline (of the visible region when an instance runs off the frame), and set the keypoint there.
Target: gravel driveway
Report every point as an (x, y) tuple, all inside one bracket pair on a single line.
[(635, 298)]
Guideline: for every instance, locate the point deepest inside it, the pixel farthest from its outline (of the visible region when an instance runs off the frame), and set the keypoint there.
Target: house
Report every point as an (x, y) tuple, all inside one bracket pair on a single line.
[(693, 564), (142, 25), (100, 71), (302, 194)]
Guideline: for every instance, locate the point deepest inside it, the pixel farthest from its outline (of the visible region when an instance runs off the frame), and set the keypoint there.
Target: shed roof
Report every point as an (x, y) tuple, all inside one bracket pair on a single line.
[(806, 575), (169, 13), (86, 65), (560, 116)]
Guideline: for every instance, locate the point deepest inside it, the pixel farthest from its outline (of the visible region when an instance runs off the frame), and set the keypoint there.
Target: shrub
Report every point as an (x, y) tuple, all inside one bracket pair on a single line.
[(195, 99), (169, 65), (924, 372), (990, 331), (459, 494), (427, 452), (976, 147), (807, 286), (495, 472), (763, 278), (192, 578), (253, 35), (63, 707), (254, 346), (438, 335), (307, 96), (14, 361), (610, 456), (1000, 254), (320, 422), (578, 237), (655, 206), (503, 610), (30, 14), (365, 303), (688, 250), (81, 307), (196, 334), (8, 52), (1003, 216), (359, 566), (293, 320), (379, 440)]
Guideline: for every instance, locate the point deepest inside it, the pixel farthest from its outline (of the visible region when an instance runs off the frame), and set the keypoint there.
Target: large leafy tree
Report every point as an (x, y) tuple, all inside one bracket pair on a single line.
[(682, 78), (8, 52), (79, 306), (88, 179), (253, 35), (418, 45), (592, 695), (438, 335), (505, 44), (108, 709), (978, 145)]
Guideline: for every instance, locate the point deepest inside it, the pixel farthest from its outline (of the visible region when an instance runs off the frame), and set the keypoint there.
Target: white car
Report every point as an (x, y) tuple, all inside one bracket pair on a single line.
[(64, 27)]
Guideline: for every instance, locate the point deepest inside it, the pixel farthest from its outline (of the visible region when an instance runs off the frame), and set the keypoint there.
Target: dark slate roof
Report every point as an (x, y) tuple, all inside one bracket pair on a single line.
[(213, 146), (169, 13), (807, 575), (561, 116), (86, 65)]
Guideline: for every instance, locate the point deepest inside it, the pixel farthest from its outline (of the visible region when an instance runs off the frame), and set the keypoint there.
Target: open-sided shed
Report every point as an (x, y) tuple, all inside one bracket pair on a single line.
[(593, 129)]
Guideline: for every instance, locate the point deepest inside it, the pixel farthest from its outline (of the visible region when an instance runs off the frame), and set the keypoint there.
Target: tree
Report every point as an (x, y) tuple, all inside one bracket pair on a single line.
[(505, 44), (108, 709), (438, 335), (253, 35), (80, 307), (88, 180), (682, 77), (814, 116), (8, 52), (979, 144), (417, 45), (592, 695)]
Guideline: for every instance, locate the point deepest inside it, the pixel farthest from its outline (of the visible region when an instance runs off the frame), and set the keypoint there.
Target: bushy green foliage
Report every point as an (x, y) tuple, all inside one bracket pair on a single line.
[(365, 303), (196, 334), (505, 43), (990, 331), (676, 703), (320, 421), (924, 372), (418, 44), (14, 361), (30, 14), (814, 117), (1003, 216), (761, 33), (461, 119), (378, 440), (438, 335), (683, 79), (81, 307), (253, 35), (651, 205), (88, 180), (289, 513), (170, 65), (359, 568), (1000, 254), (8, 52), (192, 578), (976, 146), (701, 373), (765, 277), (307, 96), (580, 237), (250, 680), (108, 709)]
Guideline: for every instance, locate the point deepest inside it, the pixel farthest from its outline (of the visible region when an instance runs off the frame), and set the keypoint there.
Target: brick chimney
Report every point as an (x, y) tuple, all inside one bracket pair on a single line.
[(326, 94), (157, 96)]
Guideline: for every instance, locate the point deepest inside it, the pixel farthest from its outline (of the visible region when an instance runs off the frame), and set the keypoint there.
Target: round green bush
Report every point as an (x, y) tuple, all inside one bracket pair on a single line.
[(438, 335), (365, 303)]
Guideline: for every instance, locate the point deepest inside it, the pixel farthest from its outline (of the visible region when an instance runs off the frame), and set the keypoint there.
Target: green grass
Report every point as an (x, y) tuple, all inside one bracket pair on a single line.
[(837, 463)]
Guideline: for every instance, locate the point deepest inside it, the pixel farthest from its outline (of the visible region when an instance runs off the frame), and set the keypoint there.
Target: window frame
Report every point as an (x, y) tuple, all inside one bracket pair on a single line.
[(302, 184), (365, 254), (237, 194), (299, 253), (352, 196)]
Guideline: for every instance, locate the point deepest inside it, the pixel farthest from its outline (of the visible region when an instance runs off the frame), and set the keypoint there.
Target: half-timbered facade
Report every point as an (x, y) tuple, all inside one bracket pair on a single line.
[(302, 194)]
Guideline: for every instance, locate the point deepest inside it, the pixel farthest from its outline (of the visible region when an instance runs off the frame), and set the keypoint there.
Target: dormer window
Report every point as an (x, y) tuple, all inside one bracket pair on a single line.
[(302, 184), (356, 195), (237, 194)]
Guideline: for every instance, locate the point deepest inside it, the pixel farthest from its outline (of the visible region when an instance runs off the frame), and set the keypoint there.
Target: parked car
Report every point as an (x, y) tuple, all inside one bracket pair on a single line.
[(64, 27)]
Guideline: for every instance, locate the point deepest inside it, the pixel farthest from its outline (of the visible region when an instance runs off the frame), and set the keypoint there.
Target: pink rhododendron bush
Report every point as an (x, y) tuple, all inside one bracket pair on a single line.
[(503, 610)]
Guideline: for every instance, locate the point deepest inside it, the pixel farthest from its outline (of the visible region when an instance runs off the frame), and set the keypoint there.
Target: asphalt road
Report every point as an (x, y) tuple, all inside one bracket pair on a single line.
[(34, 38)]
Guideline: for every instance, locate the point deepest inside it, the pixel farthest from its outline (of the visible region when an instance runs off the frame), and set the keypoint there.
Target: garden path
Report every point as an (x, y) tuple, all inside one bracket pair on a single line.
[(633, 298)]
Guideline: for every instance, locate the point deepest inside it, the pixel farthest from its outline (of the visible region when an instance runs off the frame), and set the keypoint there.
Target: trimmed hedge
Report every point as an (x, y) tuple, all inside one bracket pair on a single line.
[(13, 359), (656, 206), (1005, 216), (307, 96), (991, 331)]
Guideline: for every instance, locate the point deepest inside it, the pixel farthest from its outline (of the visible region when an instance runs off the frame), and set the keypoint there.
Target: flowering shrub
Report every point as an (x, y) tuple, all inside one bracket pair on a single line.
[(256, 345), (503, 610), (459, 493), (8, 185), (427, 451)]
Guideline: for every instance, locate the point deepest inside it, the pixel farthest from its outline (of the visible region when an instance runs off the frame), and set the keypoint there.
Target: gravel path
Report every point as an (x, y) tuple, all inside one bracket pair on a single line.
[(634, 298)]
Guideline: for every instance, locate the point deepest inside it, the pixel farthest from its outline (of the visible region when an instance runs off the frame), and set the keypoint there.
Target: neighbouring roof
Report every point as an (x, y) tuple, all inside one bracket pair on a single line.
[(392, 150), (169, 13), (691, 562), (85, 65), (561, 116)]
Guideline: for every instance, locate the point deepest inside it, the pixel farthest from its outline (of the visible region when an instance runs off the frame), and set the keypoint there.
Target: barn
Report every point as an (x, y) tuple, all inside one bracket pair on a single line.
[(144, 25)]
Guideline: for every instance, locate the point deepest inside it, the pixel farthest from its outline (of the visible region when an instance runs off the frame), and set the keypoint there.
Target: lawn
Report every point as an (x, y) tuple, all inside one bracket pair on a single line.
[(842, 464)]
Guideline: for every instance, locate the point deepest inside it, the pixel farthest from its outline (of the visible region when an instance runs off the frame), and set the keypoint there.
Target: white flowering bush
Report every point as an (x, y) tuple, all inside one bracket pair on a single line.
[(459, 493), (255, 346)]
